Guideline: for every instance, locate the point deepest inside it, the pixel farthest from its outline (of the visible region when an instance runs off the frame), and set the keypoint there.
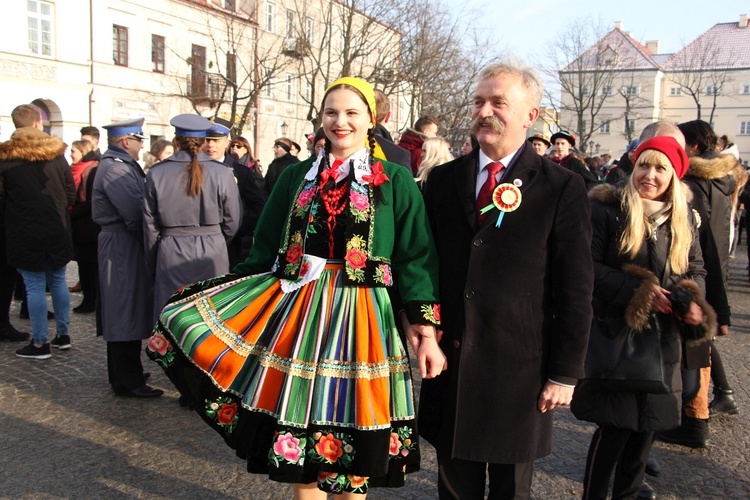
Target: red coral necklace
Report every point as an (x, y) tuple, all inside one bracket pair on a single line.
[(334, 202)]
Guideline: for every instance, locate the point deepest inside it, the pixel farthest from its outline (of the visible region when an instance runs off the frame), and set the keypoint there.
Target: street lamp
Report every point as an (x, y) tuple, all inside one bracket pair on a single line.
[(591, 146), (597, 147), (284, 129)]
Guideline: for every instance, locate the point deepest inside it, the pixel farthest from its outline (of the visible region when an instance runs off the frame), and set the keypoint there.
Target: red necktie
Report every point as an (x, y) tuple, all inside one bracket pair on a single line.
[(485, 193)]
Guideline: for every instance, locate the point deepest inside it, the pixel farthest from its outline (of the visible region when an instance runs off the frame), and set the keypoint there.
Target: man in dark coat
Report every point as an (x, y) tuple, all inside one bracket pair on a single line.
[(515, 293), (714, 187), (36, 189), (282, 159), (624, 166), (392, 152), (92, 135), (125, 286), (217, 141)]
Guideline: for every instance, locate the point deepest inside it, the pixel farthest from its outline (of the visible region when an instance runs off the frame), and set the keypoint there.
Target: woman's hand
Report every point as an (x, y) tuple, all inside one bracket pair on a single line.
[(694, 316), (659, 300)]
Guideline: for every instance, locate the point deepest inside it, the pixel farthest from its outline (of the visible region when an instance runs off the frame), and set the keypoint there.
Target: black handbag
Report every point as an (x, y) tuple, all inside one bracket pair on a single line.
[(623, 359)]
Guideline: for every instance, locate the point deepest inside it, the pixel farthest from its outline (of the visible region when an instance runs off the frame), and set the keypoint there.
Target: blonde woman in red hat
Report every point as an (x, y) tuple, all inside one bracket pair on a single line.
[(645, 251), (296, 360)]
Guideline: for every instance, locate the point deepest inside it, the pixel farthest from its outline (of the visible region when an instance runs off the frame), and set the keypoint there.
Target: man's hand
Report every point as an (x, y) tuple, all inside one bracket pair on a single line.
[(553, 396), (424, 341)]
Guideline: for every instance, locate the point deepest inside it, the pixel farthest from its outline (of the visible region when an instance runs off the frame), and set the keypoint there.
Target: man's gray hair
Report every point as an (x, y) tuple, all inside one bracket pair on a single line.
[(662, 127), (531, 81)]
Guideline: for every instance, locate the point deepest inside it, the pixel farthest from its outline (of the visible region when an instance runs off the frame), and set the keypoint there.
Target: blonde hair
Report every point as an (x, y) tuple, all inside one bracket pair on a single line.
[(84, 146), (436, 152), (637, 226)]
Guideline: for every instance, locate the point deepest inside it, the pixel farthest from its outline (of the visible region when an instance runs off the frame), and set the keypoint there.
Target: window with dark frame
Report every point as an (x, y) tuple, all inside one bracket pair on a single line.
[(120, 45), (157, 53), (198, 71)]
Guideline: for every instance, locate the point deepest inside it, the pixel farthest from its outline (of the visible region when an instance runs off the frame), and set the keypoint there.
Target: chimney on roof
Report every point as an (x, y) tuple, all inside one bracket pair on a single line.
[(618, 25), (743, 21), (652, 46)]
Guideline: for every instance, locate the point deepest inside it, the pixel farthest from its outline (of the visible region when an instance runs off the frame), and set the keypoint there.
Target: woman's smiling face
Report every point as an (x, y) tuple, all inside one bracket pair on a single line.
[(652, 179), (346, 121)]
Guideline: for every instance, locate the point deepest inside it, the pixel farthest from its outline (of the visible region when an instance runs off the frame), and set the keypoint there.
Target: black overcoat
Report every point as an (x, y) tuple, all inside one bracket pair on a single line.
[(516, 308)]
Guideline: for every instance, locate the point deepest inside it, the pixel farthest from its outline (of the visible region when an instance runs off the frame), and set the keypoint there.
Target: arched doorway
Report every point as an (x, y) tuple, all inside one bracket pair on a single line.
[(51, 116)]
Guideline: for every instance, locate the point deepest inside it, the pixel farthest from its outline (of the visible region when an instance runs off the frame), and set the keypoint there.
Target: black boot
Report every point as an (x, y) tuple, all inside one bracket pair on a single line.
[(645, 492), (8, 332), (653, 467), (693, 433), (723, 403)]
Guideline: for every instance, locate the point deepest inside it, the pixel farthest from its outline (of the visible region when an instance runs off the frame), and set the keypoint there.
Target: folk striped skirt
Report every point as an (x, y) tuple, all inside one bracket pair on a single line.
[(309, 385)]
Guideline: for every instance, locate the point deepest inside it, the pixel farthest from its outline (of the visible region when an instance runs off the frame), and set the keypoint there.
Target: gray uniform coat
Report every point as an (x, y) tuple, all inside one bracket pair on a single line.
[(186, 237), (127, 293)]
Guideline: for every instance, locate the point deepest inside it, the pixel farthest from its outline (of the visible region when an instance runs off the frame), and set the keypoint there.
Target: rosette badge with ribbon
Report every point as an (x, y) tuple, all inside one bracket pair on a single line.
[(506, 198)]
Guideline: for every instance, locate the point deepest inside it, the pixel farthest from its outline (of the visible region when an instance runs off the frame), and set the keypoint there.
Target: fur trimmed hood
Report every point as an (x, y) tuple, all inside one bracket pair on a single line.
[(713, 168), (29, 144)]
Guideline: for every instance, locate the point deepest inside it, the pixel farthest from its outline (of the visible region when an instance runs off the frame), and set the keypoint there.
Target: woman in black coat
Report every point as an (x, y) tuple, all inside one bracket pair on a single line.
[(644, 245)]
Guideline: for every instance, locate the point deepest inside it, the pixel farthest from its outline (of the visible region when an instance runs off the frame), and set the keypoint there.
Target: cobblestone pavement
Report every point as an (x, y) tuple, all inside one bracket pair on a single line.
[(64, 435)]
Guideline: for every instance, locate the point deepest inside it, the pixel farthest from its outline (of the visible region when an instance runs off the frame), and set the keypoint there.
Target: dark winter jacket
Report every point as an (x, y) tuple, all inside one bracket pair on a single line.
[(412, 141), (276, 167), (36, 189), (85, 230), (623, 169), (622, 289), (712, 179), (575, 165)]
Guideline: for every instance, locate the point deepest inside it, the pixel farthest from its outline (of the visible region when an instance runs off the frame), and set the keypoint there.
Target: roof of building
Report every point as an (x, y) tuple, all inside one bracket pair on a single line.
[(725, 45), (629, 53)]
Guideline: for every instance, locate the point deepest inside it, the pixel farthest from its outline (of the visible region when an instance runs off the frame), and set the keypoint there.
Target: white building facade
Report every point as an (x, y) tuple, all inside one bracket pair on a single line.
[(91, 62)]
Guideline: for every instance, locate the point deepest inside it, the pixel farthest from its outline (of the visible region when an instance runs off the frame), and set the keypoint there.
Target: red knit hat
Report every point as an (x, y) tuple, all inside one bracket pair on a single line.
[(671, 148)]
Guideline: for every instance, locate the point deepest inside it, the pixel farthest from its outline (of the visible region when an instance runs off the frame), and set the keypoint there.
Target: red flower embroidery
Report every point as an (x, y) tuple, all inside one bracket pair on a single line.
[(378, 177), (436, 312), (226, 414), (356, 258), (294, 254), (304, 268), (158, 343), (329, 448)]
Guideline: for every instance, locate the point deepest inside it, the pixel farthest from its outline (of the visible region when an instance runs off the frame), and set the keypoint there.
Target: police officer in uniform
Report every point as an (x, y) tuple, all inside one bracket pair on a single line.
[(253, 199), (126, 289)]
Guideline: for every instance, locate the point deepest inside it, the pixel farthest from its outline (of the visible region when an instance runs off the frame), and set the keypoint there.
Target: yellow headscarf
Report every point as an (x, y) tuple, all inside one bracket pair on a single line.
[(368, 93)]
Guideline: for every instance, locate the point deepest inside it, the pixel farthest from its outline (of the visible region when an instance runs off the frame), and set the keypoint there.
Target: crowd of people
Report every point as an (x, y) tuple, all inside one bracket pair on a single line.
[(280, 305)]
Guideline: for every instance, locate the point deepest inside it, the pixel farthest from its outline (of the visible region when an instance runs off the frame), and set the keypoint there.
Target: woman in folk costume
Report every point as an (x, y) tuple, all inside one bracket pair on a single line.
[(645, 250), (301, 369)]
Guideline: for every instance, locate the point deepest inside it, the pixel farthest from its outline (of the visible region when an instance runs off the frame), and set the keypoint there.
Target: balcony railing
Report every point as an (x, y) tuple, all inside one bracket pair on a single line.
[(204, 85)]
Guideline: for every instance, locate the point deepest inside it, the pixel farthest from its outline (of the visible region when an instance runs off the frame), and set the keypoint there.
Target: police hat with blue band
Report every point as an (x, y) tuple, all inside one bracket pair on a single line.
[(189, 125), (219, 128), (132, 127)]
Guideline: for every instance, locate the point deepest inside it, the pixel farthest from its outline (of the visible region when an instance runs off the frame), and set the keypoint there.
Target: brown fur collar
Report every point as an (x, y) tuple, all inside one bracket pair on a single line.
[(30, 144), (605, 193), (638, 312), (714, 168)]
